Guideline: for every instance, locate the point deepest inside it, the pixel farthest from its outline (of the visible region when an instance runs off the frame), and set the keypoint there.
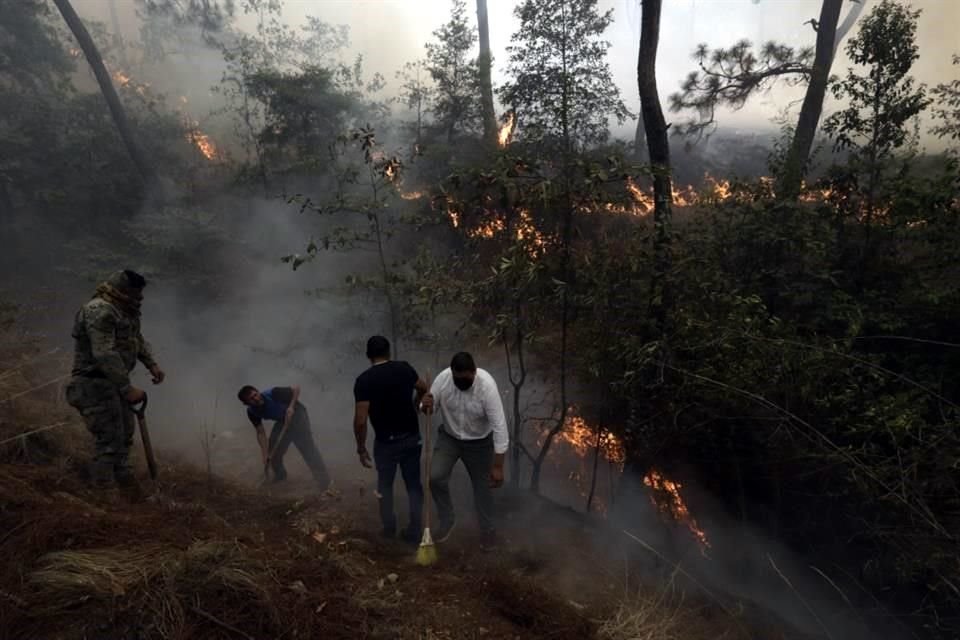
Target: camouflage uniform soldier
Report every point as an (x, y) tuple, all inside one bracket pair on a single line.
[(108, 343)]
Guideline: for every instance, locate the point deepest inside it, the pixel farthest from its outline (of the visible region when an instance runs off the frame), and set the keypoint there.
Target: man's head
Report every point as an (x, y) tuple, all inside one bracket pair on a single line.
[(127, 282), (464, 370), (378, 348), (250, 396)]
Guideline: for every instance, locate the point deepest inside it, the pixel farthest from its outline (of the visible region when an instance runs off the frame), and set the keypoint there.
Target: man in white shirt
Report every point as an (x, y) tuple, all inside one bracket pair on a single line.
[(473, 428)]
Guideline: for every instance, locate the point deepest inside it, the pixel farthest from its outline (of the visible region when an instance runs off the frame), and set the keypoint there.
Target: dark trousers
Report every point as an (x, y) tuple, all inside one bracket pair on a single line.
[(301, 437), (477, 456), (387, 456)]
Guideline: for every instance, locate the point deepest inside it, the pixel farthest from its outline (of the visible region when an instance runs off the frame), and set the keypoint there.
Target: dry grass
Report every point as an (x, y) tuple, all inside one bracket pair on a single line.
[(647, 616)]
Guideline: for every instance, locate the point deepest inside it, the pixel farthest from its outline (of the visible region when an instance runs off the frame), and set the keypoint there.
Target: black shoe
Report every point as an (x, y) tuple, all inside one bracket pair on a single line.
[(443, 531), (489, 540)]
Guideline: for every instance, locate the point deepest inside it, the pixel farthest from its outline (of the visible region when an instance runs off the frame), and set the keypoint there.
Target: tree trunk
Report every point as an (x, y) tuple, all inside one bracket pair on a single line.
[(791, 175), (517, 376), (106, 86), (596, 461), (566, 269), (484, 62), (640, 141), (658, 147)]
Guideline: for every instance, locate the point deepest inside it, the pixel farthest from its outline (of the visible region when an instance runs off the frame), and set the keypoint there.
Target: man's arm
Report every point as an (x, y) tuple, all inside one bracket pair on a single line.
[(145, 355), (262, 441), (360, 413), (428, 402), (493, 406), (422, 389), (294, 399), (101, 326)]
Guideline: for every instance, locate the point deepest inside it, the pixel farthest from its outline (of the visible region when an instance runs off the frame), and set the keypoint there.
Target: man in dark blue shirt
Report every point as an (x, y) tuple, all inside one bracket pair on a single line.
[(282, 405), (384, 393)]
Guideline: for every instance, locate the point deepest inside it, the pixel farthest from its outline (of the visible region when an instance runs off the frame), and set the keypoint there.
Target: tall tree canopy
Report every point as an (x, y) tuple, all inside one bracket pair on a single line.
[(561, 86)]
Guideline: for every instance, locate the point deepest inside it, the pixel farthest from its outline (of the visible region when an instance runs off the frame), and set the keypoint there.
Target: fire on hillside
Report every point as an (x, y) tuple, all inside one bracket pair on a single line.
[(582, 439)]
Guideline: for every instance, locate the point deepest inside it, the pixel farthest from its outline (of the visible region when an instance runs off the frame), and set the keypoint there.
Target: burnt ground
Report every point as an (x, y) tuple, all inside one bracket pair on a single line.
[(198, 556)]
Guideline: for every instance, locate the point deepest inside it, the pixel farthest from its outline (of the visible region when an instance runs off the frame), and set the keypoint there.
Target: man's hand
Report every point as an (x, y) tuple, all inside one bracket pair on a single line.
[(426, 404), (365, 458), (289, 415), (157, 373), (496, 476), (134, 395)]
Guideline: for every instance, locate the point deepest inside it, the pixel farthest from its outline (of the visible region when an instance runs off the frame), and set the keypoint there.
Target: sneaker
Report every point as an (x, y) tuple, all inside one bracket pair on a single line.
[(443, 531), (489, 540)]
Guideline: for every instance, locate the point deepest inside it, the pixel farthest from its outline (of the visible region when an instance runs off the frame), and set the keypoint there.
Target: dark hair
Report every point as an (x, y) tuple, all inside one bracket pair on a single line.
[(245, 390), (378, 347), (463, 363), (136, 280)]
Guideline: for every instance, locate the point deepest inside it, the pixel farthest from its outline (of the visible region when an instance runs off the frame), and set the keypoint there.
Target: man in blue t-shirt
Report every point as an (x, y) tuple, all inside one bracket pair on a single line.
[(384, 393), (282, 405)]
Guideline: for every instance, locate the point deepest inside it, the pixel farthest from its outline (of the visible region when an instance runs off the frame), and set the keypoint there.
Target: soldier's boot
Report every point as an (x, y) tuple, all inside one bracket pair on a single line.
[(129, 485), (100, 476)]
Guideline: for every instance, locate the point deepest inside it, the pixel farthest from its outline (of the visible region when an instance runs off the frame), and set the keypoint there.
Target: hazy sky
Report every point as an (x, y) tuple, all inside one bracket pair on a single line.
[(392, 32)]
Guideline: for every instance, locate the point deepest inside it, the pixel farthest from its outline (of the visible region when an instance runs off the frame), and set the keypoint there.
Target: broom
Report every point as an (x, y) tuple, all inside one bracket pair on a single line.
[(427, 552)]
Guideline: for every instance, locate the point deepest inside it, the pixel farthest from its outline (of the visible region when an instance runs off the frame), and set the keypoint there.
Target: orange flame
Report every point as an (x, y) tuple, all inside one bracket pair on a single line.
[(582, 438), (204, 144), (668, 501), (506, 131)]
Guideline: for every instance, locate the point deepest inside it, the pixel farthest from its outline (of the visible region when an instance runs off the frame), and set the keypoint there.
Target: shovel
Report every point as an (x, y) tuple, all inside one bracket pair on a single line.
[(266, 465), (140, 410)]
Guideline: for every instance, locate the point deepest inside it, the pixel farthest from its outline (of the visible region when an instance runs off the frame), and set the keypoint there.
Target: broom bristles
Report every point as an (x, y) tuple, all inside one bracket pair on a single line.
[(426, 552)]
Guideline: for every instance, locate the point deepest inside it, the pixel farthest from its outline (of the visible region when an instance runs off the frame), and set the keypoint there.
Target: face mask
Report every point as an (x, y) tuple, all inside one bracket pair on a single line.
[(463, 383)]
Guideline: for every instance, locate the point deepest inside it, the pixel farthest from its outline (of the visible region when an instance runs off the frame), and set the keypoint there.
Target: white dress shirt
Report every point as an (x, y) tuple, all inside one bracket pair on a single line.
[(472, 414)]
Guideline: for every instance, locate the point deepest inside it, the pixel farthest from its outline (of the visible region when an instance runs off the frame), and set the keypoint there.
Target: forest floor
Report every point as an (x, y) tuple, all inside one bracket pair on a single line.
[(200, 556)]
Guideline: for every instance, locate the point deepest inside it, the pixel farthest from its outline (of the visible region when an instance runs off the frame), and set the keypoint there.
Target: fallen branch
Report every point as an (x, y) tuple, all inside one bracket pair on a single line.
[(215, 620), (10, 372), (30, 433), (813, 613), (39, 386), (697, 583)]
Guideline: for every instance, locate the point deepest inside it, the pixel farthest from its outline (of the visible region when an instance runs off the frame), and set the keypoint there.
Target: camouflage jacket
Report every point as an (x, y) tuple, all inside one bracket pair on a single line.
[(108, 343)]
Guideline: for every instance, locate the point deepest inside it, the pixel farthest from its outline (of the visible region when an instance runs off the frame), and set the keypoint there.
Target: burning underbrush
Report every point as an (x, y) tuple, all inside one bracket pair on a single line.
[(594, 458)]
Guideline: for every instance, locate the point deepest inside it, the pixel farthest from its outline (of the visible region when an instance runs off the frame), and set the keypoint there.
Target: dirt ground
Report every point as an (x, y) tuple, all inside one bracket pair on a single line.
[(200, 556)]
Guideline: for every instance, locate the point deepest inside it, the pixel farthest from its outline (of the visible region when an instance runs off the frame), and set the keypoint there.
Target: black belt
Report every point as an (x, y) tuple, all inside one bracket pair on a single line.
[(91, 374), (398, 436)]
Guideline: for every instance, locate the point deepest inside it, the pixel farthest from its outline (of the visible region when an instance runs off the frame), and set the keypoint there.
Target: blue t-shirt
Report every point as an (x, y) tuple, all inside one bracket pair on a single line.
[(274, 407)]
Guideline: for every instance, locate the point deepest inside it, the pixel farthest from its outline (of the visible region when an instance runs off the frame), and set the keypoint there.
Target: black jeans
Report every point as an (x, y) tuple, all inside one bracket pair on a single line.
[(387, 456), (301, 437)]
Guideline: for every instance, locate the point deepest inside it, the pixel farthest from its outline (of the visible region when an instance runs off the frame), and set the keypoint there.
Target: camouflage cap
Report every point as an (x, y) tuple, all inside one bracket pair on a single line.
[(126, 280)]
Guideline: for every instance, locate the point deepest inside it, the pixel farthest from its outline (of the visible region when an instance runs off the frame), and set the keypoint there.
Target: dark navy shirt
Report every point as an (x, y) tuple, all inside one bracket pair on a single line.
[(274, 407)]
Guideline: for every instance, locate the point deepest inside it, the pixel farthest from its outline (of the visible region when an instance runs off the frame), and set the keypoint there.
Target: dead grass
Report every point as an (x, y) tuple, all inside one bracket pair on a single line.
[(207, 559), (647, 615)]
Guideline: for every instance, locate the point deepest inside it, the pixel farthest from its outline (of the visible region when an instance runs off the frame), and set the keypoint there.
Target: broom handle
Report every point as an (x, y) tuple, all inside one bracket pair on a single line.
[(426, 502)]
